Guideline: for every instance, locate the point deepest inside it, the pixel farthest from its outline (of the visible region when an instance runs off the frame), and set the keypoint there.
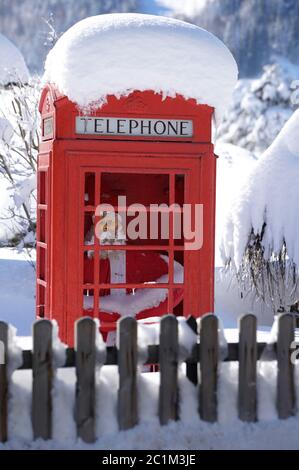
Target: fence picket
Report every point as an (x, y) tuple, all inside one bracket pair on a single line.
[(247, 400), (3, 381), (286, 399), (85, 335), (205, 355), (208, 368), (42, 375), (191, 369), (168, 359), (127, 367)]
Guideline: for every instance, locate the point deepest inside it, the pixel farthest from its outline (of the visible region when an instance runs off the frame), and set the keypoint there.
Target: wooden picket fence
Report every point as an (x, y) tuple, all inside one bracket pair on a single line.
[(84, 358)]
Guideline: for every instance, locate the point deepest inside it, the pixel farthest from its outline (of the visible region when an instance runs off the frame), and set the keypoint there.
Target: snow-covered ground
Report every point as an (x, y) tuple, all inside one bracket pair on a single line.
[(17, 290), (188, 433)]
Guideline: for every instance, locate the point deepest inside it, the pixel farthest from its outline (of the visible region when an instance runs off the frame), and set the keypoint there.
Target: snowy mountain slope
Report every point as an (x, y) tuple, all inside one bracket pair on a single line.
[(24, 22), (187, 8), (254, 30), (152, 7)]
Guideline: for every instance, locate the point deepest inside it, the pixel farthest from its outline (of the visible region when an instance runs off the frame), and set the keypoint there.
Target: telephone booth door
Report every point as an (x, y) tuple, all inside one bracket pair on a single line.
[(144, 270)]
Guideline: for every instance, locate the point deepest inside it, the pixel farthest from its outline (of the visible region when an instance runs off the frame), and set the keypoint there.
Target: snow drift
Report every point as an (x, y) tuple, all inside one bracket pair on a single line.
[(12, 64), (233, 165), (268, 201), (118, 53)]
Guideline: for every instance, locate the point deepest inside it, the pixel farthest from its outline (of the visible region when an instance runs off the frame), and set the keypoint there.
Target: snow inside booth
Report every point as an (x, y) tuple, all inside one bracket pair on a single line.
[(126, 170)]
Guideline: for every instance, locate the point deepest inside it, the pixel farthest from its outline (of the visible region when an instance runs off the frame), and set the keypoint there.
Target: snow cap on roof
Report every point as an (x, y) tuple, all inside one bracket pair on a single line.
[(12, 63), (118, 53)]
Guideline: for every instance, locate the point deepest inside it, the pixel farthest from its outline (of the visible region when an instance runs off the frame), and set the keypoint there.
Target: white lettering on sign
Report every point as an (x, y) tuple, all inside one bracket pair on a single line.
[(134, 127)]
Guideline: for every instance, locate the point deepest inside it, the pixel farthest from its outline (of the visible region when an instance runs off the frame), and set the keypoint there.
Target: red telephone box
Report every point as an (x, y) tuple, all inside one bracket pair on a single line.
[(150, 151)]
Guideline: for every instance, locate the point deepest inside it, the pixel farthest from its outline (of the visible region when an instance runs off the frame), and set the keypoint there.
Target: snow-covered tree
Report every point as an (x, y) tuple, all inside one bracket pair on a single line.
[(260, 234), (19, 138), (12, 64), (18, 156), (260, 108)]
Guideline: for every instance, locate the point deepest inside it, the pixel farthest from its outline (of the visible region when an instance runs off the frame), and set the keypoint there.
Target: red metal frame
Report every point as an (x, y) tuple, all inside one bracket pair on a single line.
[(66, 157)]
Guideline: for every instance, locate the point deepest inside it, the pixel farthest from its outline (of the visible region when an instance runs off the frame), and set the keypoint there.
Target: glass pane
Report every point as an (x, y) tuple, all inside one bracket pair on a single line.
[(88, 301), (178, 232), (41, 236), (89, 219), (179, 309), (110, 228), (142, 302), (42, 187), (178, 267), (138, 188), (146, 197), (88, 267), (42, 264), (178, 228), (179, 189), (133, 267), (139, 227), (40, 307), (89, 189)]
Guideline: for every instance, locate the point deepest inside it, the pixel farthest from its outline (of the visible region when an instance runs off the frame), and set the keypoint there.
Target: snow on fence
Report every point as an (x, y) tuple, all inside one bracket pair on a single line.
[(85, 358)]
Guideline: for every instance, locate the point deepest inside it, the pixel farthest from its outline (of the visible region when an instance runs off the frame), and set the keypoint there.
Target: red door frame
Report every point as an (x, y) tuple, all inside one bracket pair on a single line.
[(68, 158), (77, 162)]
